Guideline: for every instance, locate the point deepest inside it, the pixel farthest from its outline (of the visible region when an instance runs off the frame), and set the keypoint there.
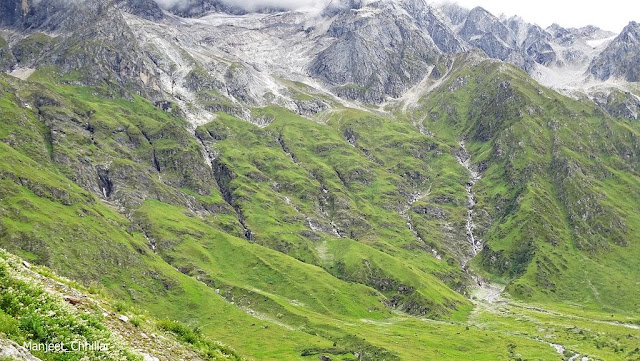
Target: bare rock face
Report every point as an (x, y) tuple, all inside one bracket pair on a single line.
[(89, 38), (435, 26), (367, 51), (146, 9), (7, 59), (523, 44), (485, 31), (533, 43), (198, 8), (621, 59), (382, 48), (67, 16), (379, 51), (9, 12), (455, 14), (62, 15), (44, 15)]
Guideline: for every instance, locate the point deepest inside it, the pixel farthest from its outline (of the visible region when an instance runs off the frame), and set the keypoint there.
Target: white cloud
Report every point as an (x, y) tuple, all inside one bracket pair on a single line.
[(610, 15), (253, 5), (165, 4)]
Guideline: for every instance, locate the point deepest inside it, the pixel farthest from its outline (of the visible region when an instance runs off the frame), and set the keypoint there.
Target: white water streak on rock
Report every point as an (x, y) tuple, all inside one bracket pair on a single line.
[(476, 244)]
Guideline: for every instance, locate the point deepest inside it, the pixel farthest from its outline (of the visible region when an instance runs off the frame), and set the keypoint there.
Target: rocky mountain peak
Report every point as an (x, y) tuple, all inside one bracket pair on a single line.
[(198, 8), (378, 51), (454, 13), (630, 34), (593, 32), (366, 50), (147, 9), (434, 23), (51, 15), (68, 16), (621, 58), (483, 30)]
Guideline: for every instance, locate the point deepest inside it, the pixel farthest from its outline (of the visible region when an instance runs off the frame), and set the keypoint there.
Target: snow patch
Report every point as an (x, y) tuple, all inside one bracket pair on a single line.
[(595, 43)]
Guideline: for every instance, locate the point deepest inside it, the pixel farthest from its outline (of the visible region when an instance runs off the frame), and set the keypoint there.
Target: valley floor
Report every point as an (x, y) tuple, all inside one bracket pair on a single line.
[(498, 328)]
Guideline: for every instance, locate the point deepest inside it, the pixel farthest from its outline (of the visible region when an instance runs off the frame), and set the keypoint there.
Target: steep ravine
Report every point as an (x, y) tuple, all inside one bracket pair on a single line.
[(475, 244), (483, 290), (223, 176), (486, 294)]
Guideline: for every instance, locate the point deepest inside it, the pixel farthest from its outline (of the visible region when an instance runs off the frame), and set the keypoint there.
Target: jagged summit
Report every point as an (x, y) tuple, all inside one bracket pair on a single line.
[(198, 8), (371, 70), (62, 15), (333, 46), (621, 59)]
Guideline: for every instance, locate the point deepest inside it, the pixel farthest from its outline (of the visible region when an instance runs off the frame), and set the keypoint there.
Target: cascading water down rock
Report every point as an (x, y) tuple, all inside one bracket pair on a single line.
[(476, 244)]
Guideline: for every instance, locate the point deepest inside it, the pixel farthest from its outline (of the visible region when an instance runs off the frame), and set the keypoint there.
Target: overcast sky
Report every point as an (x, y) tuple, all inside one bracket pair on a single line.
[(610, 15)]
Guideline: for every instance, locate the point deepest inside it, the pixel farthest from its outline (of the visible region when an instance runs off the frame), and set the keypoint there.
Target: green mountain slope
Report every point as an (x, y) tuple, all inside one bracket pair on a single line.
[(341, 236), (558, 201), (39, 307)]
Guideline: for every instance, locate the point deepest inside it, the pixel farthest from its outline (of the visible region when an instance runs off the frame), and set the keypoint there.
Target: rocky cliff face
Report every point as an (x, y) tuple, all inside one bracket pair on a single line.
[(428, 19), (363, 51), (67, 16), (455, 14), (485, 31), (526, 45), (10, 12), (7, 59), (44, 15), (621, 59), (199, 8), (533, 42), (359, 68), (90, 40), (512, 40), (147, 9)]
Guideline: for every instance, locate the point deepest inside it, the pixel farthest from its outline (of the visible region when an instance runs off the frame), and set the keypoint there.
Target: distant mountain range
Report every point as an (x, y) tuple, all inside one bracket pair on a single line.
[(333, 46)]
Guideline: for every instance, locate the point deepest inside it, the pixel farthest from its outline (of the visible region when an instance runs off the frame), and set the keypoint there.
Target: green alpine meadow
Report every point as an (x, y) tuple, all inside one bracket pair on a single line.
[(337, 181)]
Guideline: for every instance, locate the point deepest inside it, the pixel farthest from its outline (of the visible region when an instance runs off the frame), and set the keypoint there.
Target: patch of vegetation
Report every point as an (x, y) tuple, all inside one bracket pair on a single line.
[(29, 315), (194, 337), (550, 204)]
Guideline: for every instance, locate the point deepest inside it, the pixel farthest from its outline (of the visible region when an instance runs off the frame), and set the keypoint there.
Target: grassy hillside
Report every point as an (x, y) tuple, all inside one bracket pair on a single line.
[(39, 307), (558, 201), (341, 236)]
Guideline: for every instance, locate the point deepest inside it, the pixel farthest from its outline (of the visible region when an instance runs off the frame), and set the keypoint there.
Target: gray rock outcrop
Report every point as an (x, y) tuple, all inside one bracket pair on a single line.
[(621, 59)]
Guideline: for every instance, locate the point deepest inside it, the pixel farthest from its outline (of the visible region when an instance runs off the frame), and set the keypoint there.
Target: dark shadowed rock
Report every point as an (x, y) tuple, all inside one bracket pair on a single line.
[(7, 60), (147, 9)]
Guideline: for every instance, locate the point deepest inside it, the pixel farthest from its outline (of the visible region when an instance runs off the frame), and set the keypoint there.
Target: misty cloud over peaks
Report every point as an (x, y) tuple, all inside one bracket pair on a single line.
[(255, 5)]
